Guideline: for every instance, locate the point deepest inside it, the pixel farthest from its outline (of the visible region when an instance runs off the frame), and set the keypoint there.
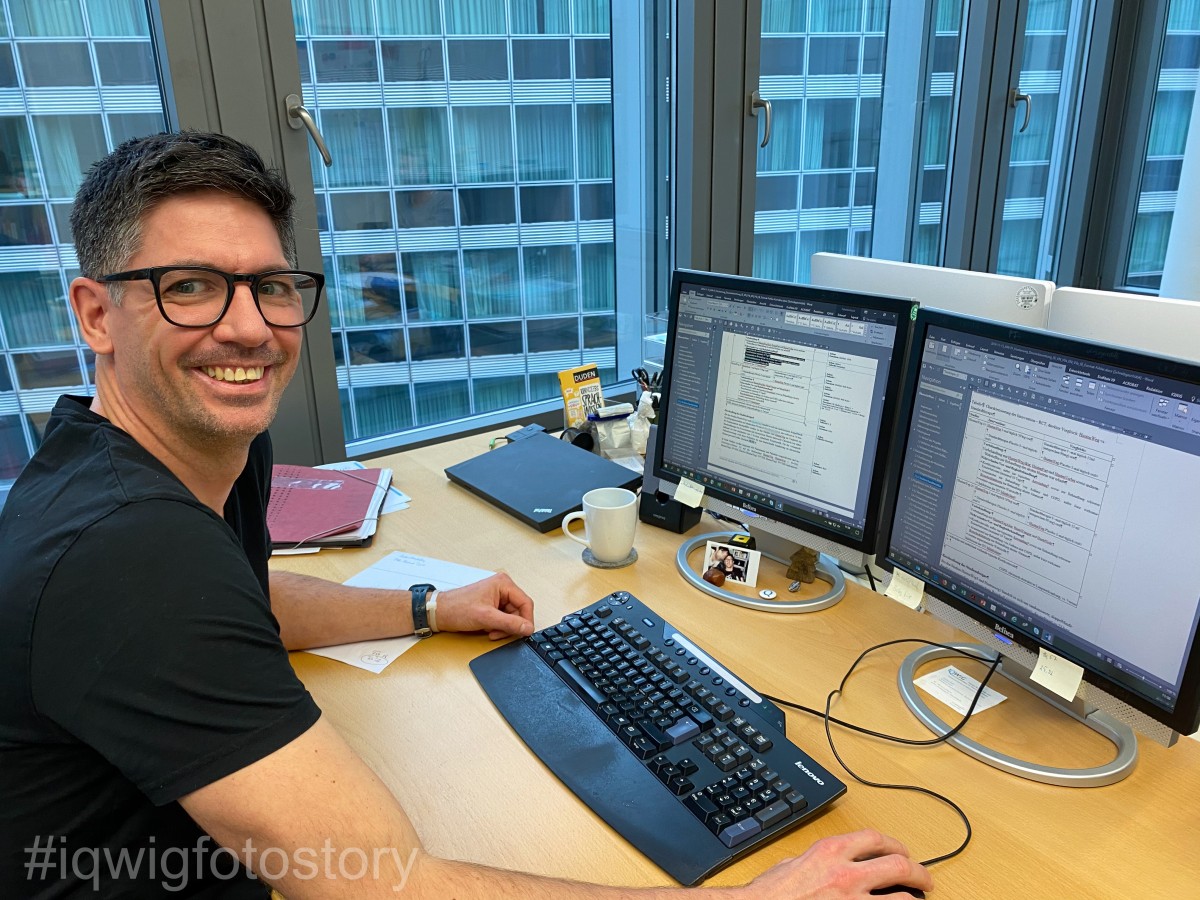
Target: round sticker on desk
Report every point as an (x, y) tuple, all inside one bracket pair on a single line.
[(767, 594)]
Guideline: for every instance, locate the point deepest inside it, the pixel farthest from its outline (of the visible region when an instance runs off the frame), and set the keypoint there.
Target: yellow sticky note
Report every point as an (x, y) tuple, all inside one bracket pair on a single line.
[(905, 588), (688, 492), (1059, 675)]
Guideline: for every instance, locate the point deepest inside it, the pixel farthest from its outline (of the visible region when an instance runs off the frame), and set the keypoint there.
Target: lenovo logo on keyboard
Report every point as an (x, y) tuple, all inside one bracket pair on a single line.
[(803, 768)]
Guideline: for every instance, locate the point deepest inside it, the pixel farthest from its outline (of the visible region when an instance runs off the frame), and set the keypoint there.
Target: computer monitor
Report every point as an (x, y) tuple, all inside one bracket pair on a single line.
[(1047, 494), (1017, 301), (778, 402), (1156, 324)]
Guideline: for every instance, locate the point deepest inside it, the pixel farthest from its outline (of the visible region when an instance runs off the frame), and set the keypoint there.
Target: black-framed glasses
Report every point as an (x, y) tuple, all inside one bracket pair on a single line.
[(197, 296)]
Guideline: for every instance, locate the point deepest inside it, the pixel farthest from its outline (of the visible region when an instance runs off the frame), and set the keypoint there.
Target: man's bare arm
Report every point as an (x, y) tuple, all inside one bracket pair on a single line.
[(316, 793), (313, 612)]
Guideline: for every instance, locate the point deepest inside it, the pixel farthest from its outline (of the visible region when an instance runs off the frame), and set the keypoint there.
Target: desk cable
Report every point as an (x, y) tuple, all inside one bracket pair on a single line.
[(828, 719)]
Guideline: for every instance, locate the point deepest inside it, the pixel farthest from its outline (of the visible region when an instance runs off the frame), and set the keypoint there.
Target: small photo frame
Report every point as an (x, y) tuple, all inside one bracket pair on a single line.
[(737, 564)]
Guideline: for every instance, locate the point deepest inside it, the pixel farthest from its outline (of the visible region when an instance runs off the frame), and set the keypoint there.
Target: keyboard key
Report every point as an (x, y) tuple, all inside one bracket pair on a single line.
[(761, 743), (688, 767), (584, 688), (726, 762), (702, 806), (739, 832), (722, 712), (776, 812), (680, 785), (683, 730), (795, 800)]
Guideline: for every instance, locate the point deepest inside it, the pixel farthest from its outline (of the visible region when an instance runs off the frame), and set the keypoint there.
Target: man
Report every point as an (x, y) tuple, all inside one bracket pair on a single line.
[(146, 699)]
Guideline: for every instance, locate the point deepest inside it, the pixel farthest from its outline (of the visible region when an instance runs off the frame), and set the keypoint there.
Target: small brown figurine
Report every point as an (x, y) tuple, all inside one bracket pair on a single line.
[(804, 565)]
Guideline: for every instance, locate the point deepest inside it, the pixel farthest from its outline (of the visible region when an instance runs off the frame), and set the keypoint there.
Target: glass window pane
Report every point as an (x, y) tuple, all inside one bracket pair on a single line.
[(117, 18), (552, 335), (550, 280), (420, 145), (599, 331), (541, 16), (784, 16), (361, 210), (366, 289), (410, 17), (551, 203), (126, 62), (498, 393), (441, 401), (123, 126), (432, 292), (541, 59), (24, 225), (487, 206), (355, 138), (344, 61), (477, 60), (425, 209), (483, 143), (8, 67), (340, 17), (474, 18), (595, 140), (379, 345), (381, 410), (595, 201), (593, 59), (39, 18), (438, 342), (34, 309), (56, 64), (833, 56), (13, 451), (544, 142), (592, 16), (53, 369), (493, 282), (69, 145), (599, 265), (497, 339), (782, 56), (412, 61)]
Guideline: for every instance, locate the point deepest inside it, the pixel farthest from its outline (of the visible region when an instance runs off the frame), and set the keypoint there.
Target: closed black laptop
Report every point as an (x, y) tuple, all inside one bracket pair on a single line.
[(539, 479)]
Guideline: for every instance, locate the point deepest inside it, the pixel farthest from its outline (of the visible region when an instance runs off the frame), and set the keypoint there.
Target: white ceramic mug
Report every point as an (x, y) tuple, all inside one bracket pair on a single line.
[(610, 519)]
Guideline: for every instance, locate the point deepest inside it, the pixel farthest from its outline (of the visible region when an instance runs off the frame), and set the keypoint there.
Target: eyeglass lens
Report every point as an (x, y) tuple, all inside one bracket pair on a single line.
[(197, 297)]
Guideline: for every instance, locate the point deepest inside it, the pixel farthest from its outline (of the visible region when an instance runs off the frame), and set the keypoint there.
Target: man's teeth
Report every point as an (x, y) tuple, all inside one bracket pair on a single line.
[(253, 373)]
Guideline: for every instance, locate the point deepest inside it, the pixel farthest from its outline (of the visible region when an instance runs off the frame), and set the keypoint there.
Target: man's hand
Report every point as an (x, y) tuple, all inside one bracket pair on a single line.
[(495, 605), (837, 868)]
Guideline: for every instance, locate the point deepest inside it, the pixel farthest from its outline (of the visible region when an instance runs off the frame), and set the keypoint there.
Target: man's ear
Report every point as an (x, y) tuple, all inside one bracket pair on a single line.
[(93, 307)]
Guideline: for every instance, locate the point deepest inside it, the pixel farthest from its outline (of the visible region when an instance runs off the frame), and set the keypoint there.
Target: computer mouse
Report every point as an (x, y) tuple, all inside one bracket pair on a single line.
[(898, 889)]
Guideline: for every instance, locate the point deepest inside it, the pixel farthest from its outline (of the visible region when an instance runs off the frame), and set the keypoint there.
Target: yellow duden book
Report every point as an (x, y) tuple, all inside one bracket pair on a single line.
[(581, 393)]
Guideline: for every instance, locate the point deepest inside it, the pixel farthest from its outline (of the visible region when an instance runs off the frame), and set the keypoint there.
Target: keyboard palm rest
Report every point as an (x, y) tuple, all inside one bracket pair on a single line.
[(660, 740)]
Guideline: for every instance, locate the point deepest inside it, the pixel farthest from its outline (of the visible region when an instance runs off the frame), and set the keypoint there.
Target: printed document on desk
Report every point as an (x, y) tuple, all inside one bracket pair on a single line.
[(397, 571)]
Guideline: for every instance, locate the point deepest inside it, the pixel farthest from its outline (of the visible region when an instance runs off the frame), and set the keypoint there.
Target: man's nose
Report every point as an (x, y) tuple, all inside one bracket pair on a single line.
[(242, 321)]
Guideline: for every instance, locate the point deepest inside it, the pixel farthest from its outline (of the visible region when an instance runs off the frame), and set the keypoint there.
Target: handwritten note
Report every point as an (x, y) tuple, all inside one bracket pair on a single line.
[(689, 493), (907, 589), (1059, 675), (397, 571)]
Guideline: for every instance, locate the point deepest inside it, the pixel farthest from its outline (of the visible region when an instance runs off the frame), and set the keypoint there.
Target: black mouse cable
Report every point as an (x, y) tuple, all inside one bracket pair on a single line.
[(827, 719)]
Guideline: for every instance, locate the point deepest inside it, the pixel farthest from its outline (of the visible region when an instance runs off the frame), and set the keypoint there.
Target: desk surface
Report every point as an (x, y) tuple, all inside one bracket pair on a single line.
[(428, 730)]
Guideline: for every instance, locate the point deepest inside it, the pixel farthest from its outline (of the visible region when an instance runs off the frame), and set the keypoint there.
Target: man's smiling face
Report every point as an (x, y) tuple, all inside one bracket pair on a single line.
[(218, 383)]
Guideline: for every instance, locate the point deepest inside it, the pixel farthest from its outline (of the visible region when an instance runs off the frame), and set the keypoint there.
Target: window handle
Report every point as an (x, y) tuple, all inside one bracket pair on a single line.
[(756, 103), (299, 117), (1015, 97)]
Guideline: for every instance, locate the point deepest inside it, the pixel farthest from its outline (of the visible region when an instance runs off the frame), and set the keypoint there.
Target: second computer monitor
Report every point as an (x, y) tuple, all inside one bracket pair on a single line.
[(1156, 324), (1002, 298), (780, 398)]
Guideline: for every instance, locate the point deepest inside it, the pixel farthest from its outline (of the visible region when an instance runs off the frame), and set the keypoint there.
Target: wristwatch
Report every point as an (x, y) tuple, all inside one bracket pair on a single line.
[(424, 609)]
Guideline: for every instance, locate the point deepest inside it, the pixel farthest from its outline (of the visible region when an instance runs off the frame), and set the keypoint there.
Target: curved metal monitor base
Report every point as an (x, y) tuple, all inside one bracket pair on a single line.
[(827, 570), (1120, 734)]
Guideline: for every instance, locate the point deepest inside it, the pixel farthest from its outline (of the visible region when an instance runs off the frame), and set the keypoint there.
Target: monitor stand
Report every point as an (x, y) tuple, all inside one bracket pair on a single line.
[(827, 570), (1119, 733)]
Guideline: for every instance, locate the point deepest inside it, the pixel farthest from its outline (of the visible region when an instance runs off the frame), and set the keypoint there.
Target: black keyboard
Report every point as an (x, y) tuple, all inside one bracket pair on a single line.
[(663, 742)]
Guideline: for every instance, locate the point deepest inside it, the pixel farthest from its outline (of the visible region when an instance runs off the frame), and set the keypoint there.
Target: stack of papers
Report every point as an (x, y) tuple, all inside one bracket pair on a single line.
[(324, 508)]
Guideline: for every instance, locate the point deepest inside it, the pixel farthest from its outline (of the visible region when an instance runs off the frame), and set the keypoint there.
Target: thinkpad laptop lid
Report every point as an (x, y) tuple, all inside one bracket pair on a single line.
[(539, 479)]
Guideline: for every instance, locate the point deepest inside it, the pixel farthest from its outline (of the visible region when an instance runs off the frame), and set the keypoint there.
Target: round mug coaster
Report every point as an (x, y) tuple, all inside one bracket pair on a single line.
[(600, 564)]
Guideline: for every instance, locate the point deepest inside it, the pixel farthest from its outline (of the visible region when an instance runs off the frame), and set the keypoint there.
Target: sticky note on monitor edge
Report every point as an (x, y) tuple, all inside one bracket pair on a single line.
[(1057, 674), (689, 493), (905, 588)]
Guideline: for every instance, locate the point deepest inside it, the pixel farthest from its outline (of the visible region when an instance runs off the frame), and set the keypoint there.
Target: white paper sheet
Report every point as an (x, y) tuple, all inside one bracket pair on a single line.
[(397, 571), (955, 688), (396, 498)]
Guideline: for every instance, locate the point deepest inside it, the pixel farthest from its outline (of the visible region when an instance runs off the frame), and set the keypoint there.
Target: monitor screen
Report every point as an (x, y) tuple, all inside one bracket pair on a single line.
[(1050, 489), (779, 399)]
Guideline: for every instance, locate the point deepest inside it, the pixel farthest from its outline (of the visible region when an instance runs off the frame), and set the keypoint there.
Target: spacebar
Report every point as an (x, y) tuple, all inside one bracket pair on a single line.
[(586, 690)]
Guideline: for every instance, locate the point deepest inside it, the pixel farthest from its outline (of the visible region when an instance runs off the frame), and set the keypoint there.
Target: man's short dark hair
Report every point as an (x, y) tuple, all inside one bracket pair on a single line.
[(121, 188)]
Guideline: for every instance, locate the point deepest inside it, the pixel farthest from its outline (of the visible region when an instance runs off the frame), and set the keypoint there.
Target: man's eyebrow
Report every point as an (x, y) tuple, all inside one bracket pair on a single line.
[(204, 264)]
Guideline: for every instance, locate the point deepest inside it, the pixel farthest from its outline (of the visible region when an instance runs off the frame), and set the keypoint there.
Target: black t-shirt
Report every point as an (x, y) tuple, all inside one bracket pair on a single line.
[(139, 661)]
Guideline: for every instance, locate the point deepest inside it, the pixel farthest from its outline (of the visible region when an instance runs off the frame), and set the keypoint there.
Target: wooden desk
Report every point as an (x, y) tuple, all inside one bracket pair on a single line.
[(434, 738)]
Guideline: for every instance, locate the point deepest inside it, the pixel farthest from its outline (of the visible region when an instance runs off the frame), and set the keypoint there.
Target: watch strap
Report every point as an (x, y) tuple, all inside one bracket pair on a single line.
[(420, 612)]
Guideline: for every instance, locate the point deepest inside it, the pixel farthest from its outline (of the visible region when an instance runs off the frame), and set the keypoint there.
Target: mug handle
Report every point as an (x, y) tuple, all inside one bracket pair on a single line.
[(566, 527)]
